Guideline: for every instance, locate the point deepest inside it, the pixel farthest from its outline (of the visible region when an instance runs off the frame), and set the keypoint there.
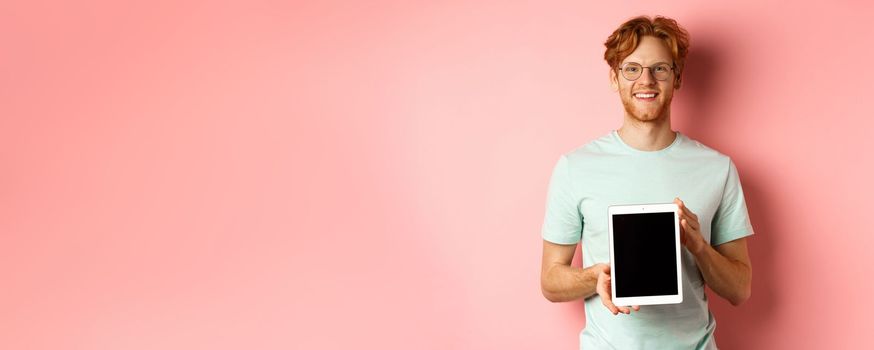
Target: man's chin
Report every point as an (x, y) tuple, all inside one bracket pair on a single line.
[(645, 114)]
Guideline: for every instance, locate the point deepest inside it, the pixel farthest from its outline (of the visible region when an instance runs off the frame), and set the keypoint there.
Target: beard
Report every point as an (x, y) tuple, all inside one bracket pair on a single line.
[(648, 115)]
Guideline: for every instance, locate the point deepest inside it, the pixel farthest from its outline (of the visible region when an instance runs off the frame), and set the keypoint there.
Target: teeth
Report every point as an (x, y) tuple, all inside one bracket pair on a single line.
[(645, 95)]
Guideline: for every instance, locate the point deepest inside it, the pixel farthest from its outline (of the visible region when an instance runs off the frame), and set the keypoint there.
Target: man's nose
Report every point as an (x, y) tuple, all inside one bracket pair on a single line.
[(646, 76)]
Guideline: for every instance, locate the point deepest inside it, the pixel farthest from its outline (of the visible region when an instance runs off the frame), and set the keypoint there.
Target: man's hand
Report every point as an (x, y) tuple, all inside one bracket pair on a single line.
[(726, 267), (690, 229), (603, 289)]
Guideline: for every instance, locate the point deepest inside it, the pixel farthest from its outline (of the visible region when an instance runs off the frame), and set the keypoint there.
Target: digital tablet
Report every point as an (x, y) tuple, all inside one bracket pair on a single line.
[(645, 263)]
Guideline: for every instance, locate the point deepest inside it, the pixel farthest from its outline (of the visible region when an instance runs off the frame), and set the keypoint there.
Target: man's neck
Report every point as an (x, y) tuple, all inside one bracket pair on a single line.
[(648, 136)]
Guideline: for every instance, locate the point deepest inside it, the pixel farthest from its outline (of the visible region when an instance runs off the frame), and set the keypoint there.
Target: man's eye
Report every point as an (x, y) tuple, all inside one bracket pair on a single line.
[(631, 69), (661, 68)]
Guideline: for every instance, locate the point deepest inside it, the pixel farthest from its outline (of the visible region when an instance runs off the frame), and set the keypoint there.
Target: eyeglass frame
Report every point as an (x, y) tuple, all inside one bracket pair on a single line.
[(673, 67)]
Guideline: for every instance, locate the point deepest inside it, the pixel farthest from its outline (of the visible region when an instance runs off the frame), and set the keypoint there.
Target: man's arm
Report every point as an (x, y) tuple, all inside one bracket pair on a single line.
[(559, 281), (727, 271), (726, 268)]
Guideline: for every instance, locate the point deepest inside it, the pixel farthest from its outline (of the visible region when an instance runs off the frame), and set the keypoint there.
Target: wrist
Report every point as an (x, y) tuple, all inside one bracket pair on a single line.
[(595, 270), (590, 273), (700, 251)]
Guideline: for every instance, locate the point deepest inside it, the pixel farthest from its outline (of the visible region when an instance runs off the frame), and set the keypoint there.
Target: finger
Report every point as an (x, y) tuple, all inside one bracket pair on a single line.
[(685, 209), (636, 307), (683, 230), (687, 229), (693, 223), (685, 213), (605, 293), (609, 304), (624, 310), (688, 211), (690, 226), (690, 214)]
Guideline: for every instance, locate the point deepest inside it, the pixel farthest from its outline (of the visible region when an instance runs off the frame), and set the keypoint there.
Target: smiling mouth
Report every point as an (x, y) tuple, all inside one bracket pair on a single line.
[(646, 96)]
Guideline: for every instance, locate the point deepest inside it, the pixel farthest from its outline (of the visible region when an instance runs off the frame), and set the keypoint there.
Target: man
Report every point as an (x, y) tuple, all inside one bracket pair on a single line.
[(646, 162)]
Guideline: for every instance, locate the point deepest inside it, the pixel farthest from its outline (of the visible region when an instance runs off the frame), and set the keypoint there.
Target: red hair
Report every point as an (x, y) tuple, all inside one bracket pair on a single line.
[(625, 39)]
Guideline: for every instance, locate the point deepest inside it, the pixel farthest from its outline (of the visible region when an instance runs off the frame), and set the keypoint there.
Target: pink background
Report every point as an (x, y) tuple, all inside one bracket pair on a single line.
[(274, 175)]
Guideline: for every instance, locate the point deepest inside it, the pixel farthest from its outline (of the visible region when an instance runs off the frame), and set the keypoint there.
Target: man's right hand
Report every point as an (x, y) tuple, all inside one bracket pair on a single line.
[(603, 289)]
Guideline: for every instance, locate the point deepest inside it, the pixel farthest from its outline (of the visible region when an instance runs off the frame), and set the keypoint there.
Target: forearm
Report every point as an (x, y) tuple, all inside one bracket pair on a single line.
[(729, 278), (567, 283)]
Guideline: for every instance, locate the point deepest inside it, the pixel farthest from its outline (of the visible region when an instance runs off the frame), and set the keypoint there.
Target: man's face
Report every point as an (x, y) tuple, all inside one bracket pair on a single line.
[(636, 95)]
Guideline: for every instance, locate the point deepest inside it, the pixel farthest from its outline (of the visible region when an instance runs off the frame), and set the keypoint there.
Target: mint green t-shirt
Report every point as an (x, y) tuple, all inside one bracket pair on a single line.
[(606, 171)]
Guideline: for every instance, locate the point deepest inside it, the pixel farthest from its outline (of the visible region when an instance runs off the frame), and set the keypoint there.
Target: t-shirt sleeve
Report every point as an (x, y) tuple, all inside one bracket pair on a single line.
[(563, 223), (731, 220)]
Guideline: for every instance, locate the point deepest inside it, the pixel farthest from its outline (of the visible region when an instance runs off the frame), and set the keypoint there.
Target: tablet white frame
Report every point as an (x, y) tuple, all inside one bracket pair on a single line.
[(646, 209)]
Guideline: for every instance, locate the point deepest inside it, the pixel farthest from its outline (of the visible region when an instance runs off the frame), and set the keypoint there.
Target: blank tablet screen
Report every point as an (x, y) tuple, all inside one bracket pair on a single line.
[(645, 259)]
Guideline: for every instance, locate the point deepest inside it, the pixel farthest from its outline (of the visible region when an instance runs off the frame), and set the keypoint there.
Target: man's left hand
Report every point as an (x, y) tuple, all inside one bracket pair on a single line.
[(690, 229)]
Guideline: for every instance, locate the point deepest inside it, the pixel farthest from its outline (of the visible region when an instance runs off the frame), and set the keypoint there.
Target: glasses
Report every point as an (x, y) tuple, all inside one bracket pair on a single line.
[(632, 71)]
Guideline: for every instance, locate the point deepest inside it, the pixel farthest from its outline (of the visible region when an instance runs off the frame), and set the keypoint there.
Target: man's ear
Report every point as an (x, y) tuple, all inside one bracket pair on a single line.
[(614, 80), (677, 84)]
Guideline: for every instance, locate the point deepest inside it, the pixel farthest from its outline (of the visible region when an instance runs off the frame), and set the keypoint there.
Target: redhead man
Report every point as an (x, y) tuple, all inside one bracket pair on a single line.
[(645, 161)]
